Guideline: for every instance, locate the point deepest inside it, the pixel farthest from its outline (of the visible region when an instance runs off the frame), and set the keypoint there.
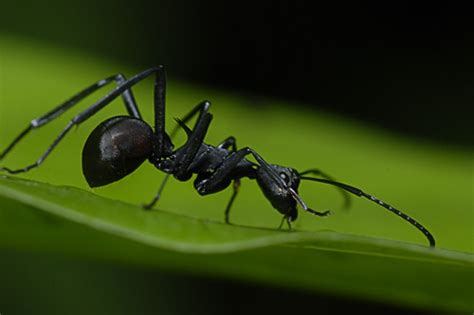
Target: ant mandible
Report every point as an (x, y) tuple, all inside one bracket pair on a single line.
[(119, 145)]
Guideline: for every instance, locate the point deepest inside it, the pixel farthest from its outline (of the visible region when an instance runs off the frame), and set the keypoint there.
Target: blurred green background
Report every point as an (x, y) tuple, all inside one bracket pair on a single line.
[(413, 150), (407, 69)]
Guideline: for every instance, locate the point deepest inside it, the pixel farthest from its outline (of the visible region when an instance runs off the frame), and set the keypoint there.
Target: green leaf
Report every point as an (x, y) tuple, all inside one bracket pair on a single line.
[(73, 221), (430, 182)]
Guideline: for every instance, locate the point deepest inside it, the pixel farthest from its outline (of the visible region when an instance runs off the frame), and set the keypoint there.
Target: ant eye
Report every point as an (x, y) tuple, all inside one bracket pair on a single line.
[(284, 177)]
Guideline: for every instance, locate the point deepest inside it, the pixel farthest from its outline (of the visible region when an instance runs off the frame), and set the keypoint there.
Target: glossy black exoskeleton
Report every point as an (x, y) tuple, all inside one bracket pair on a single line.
[(119, 145)]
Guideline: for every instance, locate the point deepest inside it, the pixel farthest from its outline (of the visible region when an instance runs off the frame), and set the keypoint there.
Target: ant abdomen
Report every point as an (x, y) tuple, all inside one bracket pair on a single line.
[(116, 148)]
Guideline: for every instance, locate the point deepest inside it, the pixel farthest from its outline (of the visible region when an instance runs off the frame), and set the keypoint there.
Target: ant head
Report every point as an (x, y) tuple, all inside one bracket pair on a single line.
[(116, 148), (280, 185)]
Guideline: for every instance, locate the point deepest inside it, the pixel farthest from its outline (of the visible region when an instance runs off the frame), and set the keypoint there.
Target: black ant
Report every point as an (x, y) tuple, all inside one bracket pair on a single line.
[(120, 144)]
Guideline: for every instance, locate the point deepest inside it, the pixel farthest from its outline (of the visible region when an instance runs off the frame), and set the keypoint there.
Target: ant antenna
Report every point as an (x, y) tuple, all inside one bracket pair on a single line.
[(317, 172), (360, 193)]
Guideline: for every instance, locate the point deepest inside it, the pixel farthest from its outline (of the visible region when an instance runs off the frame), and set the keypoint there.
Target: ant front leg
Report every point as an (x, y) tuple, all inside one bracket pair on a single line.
[(288, 221)]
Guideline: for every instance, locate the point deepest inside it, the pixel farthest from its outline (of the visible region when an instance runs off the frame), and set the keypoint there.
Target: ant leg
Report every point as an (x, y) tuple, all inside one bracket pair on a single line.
[(87, 113), (283, 219), (43, 156), (200, 108), (230, 142), (288, 221), (128, 99), (235, 186), (191, 151), (222, 176), (151, 204), (186, 155), (317, 172), (163, 145)]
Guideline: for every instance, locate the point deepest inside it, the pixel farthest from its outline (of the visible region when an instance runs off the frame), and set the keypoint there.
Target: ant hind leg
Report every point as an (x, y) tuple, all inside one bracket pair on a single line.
[(124, 89)]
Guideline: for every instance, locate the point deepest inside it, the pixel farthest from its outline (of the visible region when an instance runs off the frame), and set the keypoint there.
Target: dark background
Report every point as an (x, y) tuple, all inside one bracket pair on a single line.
[(406, 68)]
